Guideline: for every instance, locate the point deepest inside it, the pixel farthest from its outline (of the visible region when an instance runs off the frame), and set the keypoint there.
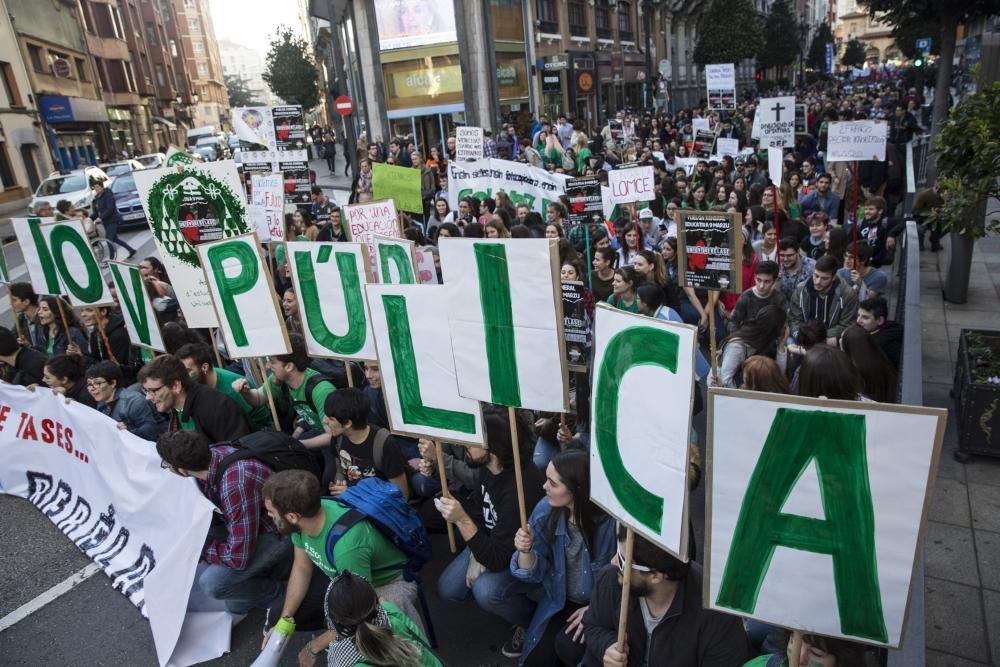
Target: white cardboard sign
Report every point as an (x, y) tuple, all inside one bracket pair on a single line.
[(775, 164), (777, 121), (815, 510), (724, 146), (240, 284), (468, 143), (702, 124), (639, 451), (720, 83), (395, 262), (363, 221), (59, 260), (856, 140), (330, 281), (631, 185), (410, 323), (267, 206), (506, 331), (136, 306)]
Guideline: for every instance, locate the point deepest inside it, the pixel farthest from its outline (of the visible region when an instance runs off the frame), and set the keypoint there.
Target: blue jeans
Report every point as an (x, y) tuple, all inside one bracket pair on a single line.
[(544, 451), (424, 486), (258, 584), (496, 592)]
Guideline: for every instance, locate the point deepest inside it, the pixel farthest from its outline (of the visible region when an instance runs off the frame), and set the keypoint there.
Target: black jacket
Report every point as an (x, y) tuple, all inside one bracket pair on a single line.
[(688, 635), (117, 336), (28, 367), (105, 208), (890, 340), (493, 508), (215, 415)]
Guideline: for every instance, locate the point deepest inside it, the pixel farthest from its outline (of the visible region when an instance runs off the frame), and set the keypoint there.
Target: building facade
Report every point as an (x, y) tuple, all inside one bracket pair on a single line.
[(24, 160), (854, 22), (245, 63), (202, 64)]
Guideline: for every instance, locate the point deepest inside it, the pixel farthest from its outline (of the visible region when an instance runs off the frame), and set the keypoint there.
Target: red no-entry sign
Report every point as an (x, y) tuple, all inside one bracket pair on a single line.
[(343, 105)]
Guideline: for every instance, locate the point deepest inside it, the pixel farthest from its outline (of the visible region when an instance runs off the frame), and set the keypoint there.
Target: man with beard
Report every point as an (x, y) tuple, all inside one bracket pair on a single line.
[(197, 359), (667, 623), (293, 501), (247, 564)]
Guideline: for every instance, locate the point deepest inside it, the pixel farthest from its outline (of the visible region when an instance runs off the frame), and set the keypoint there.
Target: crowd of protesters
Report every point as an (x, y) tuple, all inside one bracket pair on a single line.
[(813, 321)]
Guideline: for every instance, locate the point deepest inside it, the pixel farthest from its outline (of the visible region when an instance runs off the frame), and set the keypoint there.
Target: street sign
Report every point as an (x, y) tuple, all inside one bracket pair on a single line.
[(343, 105), (61, 68), (924, 44)]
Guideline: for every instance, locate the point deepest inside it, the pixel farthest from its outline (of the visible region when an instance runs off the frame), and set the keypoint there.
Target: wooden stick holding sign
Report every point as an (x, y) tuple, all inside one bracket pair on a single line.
[(794, 648), (626, 561), (713, 300), (270, 395), (515, 444), (445, 491), (215, 346), (62, 316)]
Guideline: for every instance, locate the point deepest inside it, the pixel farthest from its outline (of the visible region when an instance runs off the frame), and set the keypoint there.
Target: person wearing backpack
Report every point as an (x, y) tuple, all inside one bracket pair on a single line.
[(357, 450), (294, 503), (247, 566), (299, 391)]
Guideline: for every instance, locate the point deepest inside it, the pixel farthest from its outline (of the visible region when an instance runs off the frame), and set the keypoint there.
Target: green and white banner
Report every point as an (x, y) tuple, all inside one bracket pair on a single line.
[(643, 390), (60, 260), (523, 183), (505, 314), (136, 306), (240, 286), (410, 323), (185, 207), (396, 260), (815, 509), (329, 281)]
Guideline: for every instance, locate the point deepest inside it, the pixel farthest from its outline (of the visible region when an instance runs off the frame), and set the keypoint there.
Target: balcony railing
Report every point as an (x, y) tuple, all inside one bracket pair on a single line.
[(605, 33)]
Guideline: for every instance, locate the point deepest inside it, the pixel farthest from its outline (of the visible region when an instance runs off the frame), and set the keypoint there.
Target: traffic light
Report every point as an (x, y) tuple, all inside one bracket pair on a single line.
[(758, 74), (918, 62)]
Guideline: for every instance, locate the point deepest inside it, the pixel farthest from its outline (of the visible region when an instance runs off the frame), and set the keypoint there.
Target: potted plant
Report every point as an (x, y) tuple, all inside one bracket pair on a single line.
[(977, 393), (968, 160)]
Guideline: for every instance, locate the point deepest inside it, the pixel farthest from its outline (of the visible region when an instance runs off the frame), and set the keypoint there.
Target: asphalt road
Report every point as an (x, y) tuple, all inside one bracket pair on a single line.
[(92, 625)]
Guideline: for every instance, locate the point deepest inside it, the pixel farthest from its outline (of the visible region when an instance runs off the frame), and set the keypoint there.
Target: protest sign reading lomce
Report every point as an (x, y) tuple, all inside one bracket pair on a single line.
[(632, 185), (856, 140)]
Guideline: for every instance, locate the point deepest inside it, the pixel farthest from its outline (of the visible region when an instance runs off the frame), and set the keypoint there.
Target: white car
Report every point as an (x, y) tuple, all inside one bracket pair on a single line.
[(152, 160), (114, 169), (72, 185)]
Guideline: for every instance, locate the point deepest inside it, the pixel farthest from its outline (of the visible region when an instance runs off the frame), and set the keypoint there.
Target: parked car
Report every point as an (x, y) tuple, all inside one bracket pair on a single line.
[(152, 160), (115, 169), (128, 202), (207, 151), (72, 185)]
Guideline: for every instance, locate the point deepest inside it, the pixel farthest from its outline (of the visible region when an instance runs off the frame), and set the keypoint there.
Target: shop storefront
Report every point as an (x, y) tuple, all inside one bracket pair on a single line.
[(512, 88), (77, 129), (424, 99), (584, 90), (554, 72)]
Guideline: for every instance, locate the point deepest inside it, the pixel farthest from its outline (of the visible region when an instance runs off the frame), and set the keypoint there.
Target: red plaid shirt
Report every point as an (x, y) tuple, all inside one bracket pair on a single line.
[(240, 497)]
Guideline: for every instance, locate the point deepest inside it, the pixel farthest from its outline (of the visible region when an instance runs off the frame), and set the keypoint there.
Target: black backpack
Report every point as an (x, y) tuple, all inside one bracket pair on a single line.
[(278, 451), (285, 405)]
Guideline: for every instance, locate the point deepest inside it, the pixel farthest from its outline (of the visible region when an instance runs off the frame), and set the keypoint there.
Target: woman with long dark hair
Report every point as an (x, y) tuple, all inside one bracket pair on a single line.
[(64, 374), (878, 377), (369, 631), (829, 372), (566, 541), (53, 322), (764, 335)]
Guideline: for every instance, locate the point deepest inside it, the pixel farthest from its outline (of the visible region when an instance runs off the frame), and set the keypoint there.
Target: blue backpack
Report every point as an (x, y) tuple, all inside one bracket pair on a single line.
[(382, 504)]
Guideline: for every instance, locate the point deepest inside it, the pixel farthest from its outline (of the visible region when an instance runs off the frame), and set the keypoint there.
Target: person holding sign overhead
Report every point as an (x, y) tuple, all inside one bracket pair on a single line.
[(56, 320), (667, 622)]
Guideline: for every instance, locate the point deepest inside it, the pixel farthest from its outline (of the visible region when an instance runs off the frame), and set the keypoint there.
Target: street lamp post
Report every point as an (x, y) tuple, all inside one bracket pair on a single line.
[(803, 46)]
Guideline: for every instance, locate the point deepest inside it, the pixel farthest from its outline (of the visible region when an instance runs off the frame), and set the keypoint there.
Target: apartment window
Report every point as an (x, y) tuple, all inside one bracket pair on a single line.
[(116, 18), (547, 18), (10, 85), (197, 47), (35, 53), (6, 172), (81, 69), (102, 73), (577, 17), (194, 25), (602, 19), (173, 49), (130, 77), (625, 22), (151, 34), (191, 4), (146, 71), (203, 70), (88, 18), (161, 76)]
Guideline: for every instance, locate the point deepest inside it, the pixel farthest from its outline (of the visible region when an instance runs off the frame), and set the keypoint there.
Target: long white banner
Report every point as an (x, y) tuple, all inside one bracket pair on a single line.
[(105, 490), (523, 183)]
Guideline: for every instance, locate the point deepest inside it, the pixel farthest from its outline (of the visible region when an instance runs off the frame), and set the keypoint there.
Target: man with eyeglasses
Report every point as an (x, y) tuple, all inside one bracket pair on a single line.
[(191, 406), (667, 623), (247, 557), (127, 405)]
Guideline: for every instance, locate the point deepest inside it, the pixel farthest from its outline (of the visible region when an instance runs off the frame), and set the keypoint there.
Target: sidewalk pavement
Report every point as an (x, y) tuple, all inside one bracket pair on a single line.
[(334, 184), (962, 538)]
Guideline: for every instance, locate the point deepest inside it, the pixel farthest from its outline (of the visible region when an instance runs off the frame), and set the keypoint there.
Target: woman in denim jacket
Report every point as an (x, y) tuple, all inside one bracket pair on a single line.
[(568, 539)]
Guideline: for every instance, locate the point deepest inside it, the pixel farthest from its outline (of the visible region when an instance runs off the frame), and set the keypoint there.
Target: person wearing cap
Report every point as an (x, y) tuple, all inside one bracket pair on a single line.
[(650, 227)]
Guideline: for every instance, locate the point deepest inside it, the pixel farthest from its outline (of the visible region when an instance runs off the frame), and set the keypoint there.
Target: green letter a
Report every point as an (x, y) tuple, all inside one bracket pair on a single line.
[(837, 442), (408, 381), (241, 283), (634, 346), (351, 342)]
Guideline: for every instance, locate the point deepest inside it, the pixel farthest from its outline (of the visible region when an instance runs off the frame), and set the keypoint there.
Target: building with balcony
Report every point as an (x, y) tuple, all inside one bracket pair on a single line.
[(24, 160), (202, 64), (854, 22), (245, 63)]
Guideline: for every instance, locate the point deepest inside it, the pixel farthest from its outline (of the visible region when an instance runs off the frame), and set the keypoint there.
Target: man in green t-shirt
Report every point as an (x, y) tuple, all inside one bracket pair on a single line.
[(197, 358), (292, 371), (294, 503)]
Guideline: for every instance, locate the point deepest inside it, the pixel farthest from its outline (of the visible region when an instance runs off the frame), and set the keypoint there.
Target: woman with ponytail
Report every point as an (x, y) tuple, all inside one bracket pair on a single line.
[(370, 632)]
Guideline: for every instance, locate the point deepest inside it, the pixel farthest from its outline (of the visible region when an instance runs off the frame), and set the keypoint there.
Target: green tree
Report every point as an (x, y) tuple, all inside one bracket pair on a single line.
[(905, 35), (289, 71), (854, 54), (817, 50), (728, 31), (780, 44), (239, 94)]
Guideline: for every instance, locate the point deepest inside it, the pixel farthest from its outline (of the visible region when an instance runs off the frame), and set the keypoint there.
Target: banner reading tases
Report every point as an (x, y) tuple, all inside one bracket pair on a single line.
[(523, 183), (105, 490)]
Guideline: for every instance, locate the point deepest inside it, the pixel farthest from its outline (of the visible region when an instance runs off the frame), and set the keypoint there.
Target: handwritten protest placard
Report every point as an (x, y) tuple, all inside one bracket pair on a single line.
[(363, 221), (267, 206), (720, 80), (468, 143), (401, 184), (631, 185), (777, 121), (856, 140)]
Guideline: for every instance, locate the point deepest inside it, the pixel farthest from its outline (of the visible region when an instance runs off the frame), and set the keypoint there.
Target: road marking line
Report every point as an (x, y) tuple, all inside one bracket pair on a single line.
[(57, 591)]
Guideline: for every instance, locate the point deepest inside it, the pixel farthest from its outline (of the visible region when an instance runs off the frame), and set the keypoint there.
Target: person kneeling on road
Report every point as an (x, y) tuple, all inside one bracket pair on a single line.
[(248, 563), (294, 502)]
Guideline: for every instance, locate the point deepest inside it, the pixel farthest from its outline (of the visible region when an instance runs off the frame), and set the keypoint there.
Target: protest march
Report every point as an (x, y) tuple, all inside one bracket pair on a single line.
[(492, 378)]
